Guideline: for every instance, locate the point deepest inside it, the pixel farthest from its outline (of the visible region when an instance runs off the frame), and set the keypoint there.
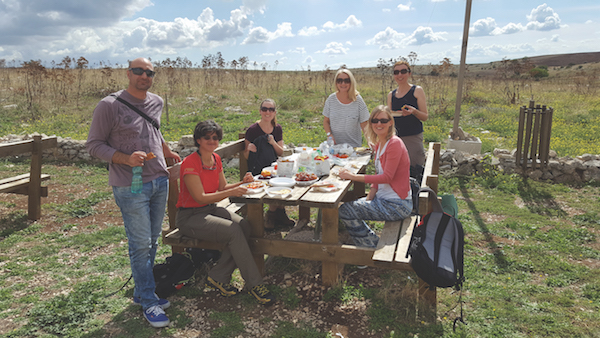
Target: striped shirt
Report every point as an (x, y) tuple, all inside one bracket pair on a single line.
[(345, 119)]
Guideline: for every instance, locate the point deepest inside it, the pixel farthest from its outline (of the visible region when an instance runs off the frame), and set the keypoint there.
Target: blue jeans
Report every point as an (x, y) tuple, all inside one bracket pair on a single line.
[(143, 216), (352, 214)]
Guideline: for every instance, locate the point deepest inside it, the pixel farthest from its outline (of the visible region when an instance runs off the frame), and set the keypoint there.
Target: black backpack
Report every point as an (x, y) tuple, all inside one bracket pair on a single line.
[(437, 247), (173, 274)]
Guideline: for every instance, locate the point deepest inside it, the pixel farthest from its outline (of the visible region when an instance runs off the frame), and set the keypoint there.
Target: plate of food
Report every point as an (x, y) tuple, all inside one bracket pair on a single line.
[(266, 174), (305, 179), (282, 182), (254, 187), (325, 186), (279, 192)]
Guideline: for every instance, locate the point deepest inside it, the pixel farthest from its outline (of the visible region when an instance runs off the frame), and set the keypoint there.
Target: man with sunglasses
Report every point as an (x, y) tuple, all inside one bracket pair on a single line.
[(123, 132)]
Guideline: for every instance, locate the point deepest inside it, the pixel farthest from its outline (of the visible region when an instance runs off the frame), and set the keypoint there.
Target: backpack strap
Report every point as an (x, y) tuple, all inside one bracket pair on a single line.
[(435, 204), (139, 112)]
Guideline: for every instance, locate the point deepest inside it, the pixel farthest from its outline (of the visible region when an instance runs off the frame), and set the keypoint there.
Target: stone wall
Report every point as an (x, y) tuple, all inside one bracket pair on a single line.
[(584, 168)]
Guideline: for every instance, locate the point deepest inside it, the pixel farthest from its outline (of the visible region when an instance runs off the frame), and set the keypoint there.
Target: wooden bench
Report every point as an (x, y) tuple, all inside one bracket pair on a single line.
[(31, 183), (392, 249), (172, 236)]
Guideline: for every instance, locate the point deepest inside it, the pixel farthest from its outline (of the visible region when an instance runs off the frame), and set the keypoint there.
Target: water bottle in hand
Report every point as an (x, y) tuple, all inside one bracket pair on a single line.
[(136, 181)]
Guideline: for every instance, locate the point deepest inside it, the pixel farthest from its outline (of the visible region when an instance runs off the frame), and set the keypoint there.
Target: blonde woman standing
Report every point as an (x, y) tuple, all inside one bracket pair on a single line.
[(345, 112), (389, 198), (409, 108)]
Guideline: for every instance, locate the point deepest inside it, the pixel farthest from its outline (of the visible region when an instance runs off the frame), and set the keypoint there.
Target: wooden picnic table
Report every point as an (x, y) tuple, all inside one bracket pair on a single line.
[(328, 251)]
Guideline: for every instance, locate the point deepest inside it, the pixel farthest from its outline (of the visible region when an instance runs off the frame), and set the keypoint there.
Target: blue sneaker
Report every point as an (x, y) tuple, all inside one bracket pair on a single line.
[(156, 316), (163, 303)]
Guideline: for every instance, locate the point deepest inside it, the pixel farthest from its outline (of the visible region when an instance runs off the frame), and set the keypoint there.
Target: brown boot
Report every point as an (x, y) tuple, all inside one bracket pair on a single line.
[(283, 219), (270, 220)]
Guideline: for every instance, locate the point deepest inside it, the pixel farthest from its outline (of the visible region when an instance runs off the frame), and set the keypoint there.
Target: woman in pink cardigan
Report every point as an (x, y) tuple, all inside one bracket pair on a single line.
[(390, 197)]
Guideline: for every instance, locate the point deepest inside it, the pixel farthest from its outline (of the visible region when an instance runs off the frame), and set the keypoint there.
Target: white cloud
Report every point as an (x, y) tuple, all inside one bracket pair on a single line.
[(483, 27), (349, 43), (310, 31), (543, 18), (299, 50), (251, 6), (387, 39), (488, 26), (499, 51), (555, 38), (261, 35), (423, 35), (404, 8), (334, 48), (351, 22), (386, 10), (308, 59), (589, 22)]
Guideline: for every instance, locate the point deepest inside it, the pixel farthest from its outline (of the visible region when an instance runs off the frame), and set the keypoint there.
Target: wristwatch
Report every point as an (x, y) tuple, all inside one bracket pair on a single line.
[(329, 133)]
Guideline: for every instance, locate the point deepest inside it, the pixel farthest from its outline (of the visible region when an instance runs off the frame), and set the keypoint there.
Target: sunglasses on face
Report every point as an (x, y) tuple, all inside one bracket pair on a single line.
[(346, 80), (265, 109), (383, 121), (400, 71), (140, 71), (214, 138)]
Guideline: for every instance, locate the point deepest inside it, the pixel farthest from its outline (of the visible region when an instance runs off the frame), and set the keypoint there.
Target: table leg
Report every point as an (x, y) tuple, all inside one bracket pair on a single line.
[(256, 219), (331, 270), (304, 213)]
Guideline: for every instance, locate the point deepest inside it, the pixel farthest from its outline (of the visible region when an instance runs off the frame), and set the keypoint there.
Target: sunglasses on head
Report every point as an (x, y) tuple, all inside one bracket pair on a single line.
[(383, 121), (265, 109), (346, 80), (140, 71), (400, 71), (208, 137)]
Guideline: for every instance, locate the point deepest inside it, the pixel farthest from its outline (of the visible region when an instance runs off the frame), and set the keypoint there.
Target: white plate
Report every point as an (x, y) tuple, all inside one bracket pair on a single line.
[(256, 190), (305, 183), (282, 182), (307, 149), (279, 192), (258, 178), (327, 189)]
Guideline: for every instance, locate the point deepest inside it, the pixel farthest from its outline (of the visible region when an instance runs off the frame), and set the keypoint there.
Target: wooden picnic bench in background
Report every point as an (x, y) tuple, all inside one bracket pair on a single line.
[(31, 183), (391, 252)]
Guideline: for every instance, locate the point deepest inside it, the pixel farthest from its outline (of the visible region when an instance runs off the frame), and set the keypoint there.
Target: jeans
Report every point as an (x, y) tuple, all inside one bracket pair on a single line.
[(143, 216), (352, 214)]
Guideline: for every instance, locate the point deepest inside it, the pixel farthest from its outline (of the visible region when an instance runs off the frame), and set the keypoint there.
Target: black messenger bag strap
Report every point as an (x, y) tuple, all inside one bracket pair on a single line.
[(146, 117)]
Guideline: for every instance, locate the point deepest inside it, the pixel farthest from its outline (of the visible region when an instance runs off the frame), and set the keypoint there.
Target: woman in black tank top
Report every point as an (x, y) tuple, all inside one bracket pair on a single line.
[(409, 108)]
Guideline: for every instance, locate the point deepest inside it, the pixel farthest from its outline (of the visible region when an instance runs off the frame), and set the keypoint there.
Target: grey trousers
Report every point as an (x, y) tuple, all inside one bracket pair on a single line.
[(414, 145), (216, 224)]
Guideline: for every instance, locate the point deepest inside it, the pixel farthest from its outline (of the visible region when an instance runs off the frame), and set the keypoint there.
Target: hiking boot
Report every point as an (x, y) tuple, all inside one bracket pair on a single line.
[(262, 294), (270, 218), (156, 316), (226, 290), (163, 303), (282, 219)]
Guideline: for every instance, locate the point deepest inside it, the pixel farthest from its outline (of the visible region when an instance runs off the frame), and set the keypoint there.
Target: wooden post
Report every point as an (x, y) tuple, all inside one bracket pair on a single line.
[(35, 180), (256, 218), (330, 270)]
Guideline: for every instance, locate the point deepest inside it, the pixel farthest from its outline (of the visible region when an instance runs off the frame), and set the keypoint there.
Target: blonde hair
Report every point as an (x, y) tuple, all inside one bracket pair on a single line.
[(271, 101), (370, 134), (352, 92), (400, 63)]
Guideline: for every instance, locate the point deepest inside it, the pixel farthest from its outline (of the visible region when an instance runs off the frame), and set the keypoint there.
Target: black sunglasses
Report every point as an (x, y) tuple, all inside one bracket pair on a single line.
[(271, 109), (400, 71), (140, 71), (383, 121), (346, 80), (214, 138)]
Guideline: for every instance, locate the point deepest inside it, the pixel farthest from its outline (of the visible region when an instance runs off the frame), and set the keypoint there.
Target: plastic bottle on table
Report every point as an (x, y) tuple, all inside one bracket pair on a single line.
[(136, 182)]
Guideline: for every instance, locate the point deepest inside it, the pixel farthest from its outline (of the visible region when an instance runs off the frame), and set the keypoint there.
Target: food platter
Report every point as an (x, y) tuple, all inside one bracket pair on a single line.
[(305, 179), (254, 187), (279, 192), (282, 182), (325, 186)]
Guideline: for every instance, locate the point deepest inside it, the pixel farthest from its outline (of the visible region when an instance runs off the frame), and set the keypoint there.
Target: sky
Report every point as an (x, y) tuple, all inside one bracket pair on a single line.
[(293, 35)]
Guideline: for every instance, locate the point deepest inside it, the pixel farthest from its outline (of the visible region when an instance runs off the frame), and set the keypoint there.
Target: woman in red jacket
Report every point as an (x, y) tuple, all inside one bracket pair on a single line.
[(390, 197)]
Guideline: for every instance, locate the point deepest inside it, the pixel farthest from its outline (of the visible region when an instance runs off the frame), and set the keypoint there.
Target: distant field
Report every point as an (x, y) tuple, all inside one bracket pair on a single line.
[(60, 101)]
